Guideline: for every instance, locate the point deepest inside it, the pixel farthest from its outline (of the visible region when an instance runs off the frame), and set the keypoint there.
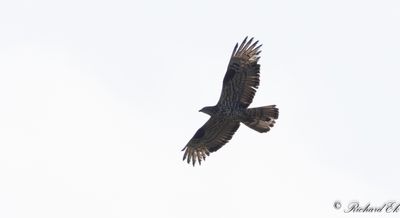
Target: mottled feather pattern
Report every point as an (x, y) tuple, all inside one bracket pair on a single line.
[(215, 133), (240, 83), (243, 75)]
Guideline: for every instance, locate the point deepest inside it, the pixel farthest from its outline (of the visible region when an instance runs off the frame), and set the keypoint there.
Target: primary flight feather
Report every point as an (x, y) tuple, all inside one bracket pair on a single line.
[(238, 89)]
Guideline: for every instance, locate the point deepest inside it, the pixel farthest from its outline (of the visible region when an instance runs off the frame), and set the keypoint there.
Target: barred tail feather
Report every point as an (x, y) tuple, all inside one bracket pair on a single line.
[(261, 119)]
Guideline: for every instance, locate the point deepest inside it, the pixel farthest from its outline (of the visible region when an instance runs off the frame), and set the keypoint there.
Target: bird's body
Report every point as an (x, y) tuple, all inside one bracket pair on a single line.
[(221, 111), (239, 86)]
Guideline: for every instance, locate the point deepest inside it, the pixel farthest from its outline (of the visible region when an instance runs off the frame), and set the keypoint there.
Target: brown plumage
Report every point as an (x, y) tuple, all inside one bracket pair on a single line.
[(239, 87)]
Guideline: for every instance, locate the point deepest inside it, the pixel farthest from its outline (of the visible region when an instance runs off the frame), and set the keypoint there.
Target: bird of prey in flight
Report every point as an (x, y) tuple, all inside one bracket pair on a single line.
[(239, 86)]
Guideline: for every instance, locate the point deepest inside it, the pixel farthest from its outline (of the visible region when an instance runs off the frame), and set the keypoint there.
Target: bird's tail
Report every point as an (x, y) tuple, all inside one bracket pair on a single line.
[(261, 119)]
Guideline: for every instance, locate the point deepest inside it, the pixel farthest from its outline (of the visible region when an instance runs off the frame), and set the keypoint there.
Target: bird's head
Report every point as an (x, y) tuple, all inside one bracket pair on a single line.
[(210, 110)]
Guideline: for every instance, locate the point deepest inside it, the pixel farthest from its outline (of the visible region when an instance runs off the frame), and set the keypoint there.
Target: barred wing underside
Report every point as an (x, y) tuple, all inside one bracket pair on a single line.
[(242, 76), (215, 133)]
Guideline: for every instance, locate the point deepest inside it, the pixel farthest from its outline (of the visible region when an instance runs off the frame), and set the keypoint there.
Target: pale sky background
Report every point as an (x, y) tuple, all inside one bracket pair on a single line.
[(97, 98)]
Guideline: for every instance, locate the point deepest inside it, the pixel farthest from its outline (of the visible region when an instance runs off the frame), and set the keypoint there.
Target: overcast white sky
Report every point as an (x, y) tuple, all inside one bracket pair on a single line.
[(97, 98)]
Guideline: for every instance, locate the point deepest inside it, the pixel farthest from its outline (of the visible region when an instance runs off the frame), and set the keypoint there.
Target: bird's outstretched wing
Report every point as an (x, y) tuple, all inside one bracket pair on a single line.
[(242, 76), (209, 138)]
